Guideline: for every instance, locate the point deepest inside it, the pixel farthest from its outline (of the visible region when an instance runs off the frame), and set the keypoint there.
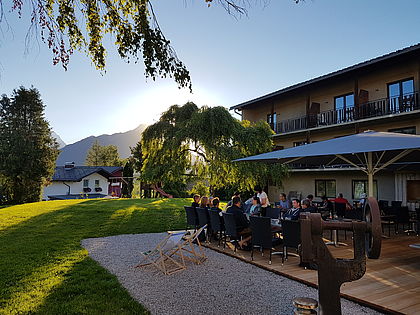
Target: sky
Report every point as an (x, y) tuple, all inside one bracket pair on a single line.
[(231, 60)]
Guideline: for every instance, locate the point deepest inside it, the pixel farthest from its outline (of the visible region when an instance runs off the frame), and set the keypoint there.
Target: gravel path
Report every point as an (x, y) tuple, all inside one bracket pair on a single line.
[(222, 285)]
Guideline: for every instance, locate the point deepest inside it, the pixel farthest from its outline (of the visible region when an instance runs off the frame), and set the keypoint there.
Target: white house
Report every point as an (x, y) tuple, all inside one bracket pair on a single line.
[(74, 182)]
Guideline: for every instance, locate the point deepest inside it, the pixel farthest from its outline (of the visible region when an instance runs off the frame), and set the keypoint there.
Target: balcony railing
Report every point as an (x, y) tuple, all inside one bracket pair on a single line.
[(376, 108)]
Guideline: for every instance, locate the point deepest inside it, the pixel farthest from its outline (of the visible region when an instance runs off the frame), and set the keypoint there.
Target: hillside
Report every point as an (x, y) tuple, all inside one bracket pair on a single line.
[(76, 152)]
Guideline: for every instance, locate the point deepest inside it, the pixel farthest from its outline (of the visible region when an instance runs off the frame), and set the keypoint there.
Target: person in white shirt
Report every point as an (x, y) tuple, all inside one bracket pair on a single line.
[(263, 199)]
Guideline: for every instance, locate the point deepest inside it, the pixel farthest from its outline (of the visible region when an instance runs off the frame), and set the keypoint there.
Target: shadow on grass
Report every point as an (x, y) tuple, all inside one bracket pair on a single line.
[(43, 266)]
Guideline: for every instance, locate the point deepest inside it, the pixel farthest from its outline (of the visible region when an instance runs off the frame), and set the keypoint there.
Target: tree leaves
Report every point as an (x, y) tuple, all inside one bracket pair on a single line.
[(191, 142), (106, 155), (27, 149)]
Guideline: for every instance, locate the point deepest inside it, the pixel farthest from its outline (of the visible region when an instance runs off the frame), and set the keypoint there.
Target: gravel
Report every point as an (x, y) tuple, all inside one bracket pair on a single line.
[(221, 285)]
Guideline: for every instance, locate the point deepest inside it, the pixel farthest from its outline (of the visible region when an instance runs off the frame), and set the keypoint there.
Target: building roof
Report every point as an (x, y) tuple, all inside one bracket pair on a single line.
[(360, 66), (77, 173)]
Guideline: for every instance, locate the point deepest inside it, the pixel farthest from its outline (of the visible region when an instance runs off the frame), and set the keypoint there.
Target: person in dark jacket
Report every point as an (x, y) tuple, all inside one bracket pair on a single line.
[(294, 212), (196, 201), (242, 223), (308, 207), (215, 204)]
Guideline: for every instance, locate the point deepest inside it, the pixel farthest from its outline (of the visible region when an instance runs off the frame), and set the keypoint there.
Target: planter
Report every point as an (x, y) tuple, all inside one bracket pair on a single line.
[(98, 189), (87, 189)]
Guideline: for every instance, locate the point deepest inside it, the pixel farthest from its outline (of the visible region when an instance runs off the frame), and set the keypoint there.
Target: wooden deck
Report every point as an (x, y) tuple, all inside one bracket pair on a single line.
[(391, 284)]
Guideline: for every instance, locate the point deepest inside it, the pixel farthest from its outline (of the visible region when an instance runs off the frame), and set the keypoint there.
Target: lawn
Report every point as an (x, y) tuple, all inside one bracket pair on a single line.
[(43, 268)]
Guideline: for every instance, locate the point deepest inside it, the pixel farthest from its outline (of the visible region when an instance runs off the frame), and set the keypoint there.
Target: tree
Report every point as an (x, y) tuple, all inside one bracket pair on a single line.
[(103, 155), (128, 180), (188, 141), (27, 148), (66, 26)]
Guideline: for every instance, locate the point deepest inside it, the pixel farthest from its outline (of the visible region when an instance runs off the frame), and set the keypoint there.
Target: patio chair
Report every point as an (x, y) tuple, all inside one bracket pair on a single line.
[(217, 225), (190, 251), (203, 219), (273, 213), (403, 217), (396, 204), (192, 219), (162, 256), (262, 236), (383, 205), (340, 209), (291, 237), (230, 229)]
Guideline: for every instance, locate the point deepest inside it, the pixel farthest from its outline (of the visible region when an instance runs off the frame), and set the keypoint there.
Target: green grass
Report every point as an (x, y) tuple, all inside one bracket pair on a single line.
[(44, 269)]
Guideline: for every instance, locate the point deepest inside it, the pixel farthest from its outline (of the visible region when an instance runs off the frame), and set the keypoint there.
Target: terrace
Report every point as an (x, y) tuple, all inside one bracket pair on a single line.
[(375, 108)]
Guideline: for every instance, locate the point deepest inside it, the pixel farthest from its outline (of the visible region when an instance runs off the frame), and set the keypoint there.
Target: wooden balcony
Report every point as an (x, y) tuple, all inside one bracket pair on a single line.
[(375, 108)]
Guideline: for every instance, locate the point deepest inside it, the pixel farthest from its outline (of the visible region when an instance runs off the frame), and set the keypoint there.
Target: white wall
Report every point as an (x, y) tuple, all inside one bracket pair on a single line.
[(58, 188), (305, 183)]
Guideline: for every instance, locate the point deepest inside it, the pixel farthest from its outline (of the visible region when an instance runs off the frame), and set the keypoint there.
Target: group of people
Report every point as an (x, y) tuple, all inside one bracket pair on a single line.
[(258, 205)]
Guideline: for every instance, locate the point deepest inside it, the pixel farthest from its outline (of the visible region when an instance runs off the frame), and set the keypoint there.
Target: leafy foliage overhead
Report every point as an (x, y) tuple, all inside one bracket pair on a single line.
[(202, 142), (69, 25)]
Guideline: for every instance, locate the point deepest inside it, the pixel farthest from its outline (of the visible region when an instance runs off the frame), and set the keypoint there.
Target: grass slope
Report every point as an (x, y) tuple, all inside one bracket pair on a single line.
[(43, 268)]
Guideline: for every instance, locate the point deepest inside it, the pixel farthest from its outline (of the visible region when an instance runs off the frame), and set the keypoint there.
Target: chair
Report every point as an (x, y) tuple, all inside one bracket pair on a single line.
[(273, 213), (354, 214), (192, 219), (262, 235), (396, 204), (230, 229), (189, 249), (291, 236), (383, 205), (340, 209), (217, 225), (162, 256), (403, 217), (203, 219)]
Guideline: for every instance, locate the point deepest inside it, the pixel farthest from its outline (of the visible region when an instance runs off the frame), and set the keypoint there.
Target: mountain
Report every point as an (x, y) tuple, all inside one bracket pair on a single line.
[(77, 151), (61, 143)]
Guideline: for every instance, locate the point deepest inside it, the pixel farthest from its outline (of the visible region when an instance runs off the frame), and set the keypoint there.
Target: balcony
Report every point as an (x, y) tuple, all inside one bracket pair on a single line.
[(375, 108)]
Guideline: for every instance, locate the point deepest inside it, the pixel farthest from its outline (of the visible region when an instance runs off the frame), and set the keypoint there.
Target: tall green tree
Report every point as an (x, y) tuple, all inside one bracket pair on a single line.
[(188, 141), (27, 149), (128, 180), (106, 155)]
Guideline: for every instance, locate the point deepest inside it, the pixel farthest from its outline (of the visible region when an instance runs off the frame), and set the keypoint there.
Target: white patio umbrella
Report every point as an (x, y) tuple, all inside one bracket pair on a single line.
[(369, 152)]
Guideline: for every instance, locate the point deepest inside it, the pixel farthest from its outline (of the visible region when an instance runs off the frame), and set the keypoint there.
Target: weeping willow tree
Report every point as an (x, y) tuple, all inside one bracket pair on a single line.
[(200, 143)]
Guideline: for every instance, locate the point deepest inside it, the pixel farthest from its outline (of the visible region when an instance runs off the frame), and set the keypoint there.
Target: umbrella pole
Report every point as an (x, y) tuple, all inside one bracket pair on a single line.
[(370, 175)]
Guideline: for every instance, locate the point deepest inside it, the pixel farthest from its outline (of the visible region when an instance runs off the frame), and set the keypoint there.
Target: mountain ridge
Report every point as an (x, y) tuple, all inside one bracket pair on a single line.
[(76, 152)]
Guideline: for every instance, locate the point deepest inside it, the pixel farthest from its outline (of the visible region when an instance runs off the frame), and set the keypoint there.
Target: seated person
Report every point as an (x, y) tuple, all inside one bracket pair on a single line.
[(294, 212), (236, 194), (196, 201), (215, 204), (255, 207), (310, 197), (204, 203), (341, 199), (242, 223), (284, 203), (308, 207)]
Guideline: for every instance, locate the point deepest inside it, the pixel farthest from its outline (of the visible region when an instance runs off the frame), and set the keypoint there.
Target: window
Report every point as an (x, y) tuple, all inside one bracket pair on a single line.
[(97, 183), (85, 183), (400, 93), (325, 187), (272, 121), (361, 187), (343, 105), (406, 130)]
